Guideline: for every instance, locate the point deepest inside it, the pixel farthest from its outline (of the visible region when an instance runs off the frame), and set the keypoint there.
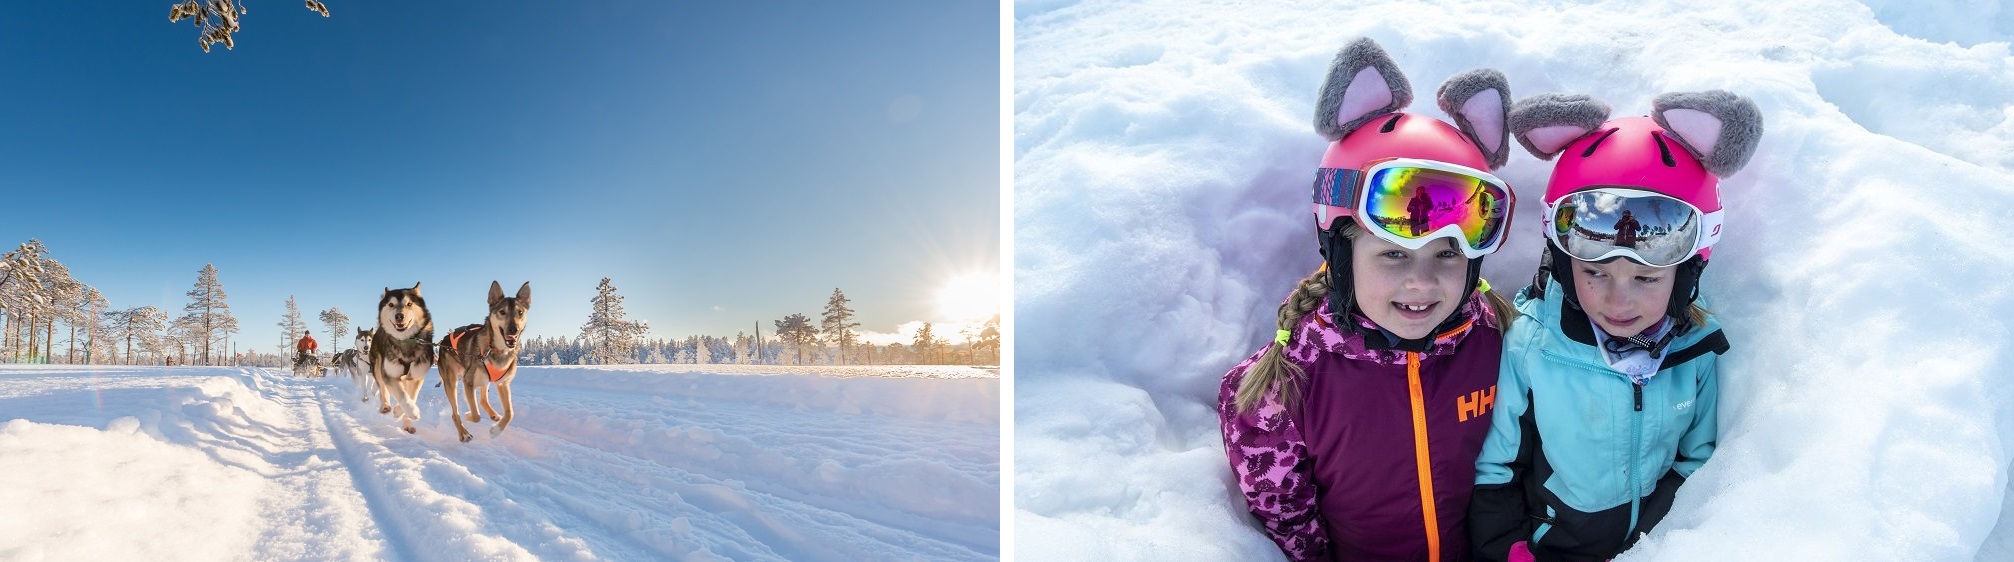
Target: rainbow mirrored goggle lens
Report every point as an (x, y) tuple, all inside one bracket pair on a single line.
[(1649, 227), (1410, 202)]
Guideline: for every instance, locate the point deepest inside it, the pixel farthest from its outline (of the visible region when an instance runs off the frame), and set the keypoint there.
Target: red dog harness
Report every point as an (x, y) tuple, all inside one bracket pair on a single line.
[(455, 343)]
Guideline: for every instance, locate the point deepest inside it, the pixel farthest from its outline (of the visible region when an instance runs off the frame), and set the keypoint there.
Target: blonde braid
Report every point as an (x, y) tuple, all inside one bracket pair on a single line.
[(1273, 369), (1506, 312)]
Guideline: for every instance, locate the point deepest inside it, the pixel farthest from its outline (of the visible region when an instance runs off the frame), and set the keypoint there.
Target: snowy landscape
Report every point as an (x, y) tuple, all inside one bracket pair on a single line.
[(627, 462), (1163, 155)]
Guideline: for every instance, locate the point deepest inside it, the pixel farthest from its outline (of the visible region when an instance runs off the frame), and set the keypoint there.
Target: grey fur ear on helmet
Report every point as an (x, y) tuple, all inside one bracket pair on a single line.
[(1363, 84), (1479, 102), (1716, 126), (1546, 123)]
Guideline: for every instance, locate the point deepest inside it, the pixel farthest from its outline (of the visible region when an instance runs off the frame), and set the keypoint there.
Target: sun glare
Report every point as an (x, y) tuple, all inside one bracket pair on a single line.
[(969, 297)]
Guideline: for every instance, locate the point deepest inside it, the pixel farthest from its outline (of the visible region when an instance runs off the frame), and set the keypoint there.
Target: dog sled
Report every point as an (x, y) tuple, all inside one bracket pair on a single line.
[(310, 367)]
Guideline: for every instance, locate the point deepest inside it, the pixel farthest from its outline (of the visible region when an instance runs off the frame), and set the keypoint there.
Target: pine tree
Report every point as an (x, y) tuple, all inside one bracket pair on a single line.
[(180, 336), (95, 304), (208, 312), (291, 327), (219, 18), (742, 346), (607, 333), (337, 323), (149, 324), (838, 325), (796, 331), (33, 291), (926, 344), (989, 338)]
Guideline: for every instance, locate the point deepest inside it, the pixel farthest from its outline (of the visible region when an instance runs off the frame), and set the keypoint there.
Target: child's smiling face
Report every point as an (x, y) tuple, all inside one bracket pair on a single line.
[(1622, 296), (1407, 292)]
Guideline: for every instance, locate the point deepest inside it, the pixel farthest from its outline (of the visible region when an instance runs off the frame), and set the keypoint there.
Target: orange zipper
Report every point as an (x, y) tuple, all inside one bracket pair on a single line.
[(1421, 457)]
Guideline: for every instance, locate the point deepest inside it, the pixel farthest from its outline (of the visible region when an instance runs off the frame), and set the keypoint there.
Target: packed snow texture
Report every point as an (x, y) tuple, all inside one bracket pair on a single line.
[(1163, 157), (629, 463)]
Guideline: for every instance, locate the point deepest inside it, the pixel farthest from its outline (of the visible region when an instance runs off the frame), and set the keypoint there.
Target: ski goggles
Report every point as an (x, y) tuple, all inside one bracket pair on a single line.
[(1412, 202), (1648, 227)]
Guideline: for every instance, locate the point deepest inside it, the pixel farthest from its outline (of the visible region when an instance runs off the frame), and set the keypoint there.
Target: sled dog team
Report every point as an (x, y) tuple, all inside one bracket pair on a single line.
[(392, 359), (1408, 410)]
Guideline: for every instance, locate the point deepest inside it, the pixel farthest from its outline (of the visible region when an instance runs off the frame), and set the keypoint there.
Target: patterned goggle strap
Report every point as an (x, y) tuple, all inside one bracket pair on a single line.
[(1337, 187)]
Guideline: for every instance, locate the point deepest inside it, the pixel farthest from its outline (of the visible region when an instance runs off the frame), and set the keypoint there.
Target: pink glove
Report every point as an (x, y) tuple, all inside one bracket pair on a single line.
[(1520, 553)]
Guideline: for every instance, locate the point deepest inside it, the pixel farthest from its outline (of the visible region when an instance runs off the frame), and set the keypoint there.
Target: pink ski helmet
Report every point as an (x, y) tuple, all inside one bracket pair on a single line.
[(1681, 150), (1397, 135), (1634, 152), (1359, 111)]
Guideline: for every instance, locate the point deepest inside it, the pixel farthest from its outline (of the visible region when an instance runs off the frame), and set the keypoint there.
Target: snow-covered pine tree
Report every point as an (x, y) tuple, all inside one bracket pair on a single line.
[(76, 313), (218, 19), (177, 337), (291, 327), (28, 295), (208, 312), (141, 325), (740, 353), (62, 292), (337, 323), (838, 324), (610, 337), (796, 331), (94, 312)]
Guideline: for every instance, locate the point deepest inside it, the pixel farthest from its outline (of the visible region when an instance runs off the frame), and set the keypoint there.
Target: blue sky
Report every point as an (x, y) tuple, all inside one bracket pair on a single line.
[(724, 163)]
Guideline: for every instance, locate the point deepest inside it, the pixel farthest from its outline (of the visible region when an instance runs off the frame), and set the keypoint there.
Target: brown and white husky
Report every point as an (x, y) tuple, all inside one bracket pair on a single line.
[(476, 356)]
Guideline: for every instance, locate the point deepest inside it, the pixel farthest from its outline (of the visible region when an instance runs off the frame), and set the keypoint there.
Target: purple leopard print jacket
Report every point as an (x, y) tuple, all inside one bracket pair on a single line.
[(1378, 460)]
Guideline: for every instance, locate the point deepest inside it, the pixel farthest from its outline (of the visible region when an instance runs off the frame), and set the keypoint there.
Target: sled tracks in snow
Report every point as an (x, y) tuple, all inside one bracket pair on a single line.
[(537, 494)]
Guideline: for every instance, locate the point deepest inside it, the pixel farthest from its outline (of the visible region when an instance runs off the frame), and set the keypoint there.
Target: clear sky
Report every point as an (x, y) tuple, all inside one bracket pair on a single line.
[(726, 163)]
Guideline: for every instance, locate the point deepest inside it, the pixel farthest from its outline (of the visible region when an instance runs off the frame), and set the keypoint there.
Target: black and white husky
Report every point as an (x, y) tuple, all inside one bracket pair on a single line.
[(478, 355), (401, 351), (356, 362)]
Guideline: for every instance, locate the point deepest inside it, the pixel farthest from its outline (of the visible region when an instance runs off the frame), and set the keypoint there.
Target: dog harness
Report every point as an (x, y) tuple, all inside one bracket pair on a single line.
[(455, 343)]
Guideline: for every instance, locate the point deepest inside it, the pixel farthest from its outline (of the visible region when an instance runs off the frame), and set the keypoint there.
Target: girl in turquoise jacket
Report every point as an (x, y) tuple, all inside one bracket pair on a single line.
[(1608, 394)]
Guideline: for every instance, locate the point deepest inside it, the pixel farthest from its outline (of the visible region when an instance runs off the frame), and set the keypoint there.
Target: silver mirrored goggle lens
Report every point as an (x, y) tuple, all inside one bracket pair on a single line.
[(1653, 229)]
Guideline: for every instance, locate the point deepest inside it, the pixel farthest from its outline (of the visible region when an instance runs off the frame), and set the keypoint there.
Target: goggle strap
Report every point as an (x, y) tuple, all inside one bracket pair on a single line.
[(1337, 187), (1709, 225)]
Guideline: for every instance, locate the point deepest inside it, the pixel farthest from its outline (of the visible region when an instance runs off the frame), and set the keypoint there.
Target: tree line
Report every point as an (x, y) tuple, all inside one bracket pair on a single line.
[(37, 293), (40, 302), (609, 337)]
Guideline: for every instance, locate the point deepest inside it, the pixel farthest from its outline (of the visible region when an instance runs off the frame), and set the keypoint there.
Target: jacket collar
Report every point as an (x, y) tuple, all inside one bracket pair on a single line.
[(1318, 334), (1568, 332)]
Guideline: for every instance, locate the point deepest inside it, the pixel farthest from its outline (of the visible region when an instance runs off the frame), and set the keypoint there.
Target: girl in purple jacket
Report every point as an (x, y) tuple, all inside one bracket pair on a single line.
[(1354, 434)]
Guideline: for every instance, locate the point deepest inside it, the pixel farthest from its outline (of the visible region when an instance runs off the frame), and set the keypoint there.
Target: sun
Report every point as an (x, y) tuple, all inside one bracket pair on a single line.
[(972, 296)]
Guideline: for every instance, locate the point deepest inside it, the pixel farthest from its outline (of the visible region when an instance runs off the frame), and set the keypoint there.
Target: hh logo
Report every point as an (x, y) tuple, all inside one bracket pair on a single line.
[(1476, 404)]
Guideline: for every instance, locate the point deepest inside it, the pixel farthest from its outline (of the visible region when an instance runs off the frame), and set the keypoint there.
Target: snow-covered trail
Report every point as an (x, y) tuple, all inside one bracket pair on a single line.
[(619, 464)]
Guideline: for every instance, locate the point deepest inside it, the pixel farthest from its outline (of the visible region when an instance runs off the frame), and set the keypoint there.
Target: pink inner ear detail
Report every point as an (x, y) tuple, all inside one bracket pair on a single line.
[(1366, 93), (1551, 139), (1485, 112), (1698, 128)]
